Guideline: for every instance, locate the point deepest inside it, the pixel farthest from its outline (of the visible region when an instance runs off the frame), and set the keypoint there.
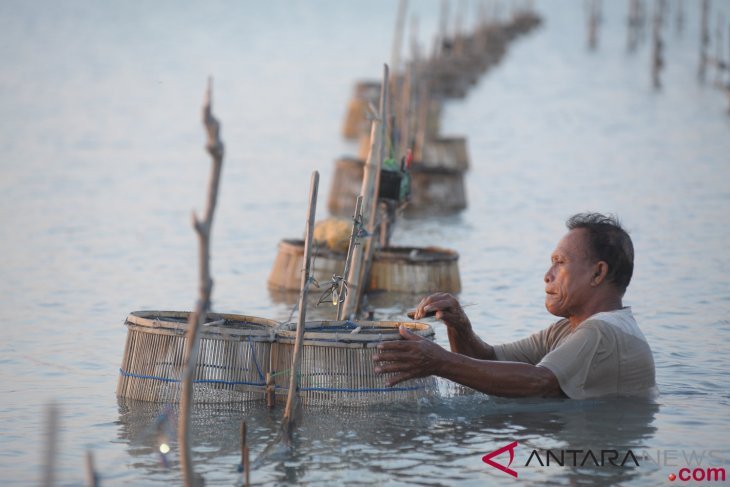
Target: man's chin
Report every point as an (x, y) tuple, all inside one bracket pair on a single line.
[(554, 310)]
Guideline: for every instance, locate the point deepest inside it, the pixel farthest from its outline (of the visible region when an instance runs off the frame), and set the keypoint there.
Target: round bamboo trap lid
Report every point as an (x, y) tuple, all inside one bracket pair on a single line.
[(218, 325), (352, 334)]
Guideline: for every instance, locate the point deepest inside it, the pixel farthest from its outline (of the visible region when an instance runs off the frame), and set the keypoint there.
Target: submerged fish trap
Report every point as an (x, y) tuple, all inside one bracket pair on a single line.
[(231, 366), (337, 363)]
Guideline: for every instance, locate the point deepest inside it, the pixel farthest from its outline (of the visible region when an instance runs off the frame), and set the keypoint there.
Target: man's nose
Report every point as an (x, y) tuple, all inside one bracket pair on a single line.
[(548, 276)]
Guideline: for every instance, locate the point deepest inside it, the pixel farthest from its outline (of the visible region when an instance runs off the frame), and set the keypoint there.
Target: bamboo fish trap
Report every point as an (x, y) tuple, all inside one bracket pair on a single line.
[(356, 122), (446, 152), (231, 366), (414, 270), (434, 190), (337, 363)]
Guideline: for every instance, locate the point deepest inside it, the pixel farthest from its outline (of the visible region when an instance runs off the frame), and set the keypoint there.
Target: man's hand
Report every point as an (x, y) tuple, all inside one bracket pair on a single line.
[(462, 339), (444, 307), (410, 358)]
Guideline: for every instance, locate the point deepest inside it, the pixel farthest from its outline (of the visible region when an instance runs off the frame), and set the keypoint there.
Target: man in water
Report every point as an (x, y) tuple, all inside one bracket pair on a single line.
[(595, 350)]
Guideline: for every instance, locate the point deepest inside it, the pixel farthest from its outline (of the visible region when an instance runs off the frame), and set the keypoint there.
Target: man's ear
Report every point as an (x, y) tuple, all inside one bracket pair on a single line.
[(600, 272)]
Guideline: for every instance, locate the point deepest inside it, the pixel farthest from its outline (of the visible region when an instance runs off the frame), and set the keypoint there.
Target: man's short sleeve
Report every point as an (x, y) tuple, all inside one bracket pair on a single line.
[(571, 360), (529, 350)]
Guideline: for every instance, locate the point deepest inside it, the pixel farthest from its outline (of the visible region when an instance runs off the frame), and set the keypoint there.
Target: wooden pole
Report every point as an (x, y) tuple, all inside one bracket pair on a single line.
[(679, 21), (92, 478), (372, 219), (443, 26), (245, 464), (270, 391), (719, 65), (657, 53), (292, 397), (354, 241), (369, 193), (393, 122), (398, 37), (405, 111), (633, 25), (704, 40), (49, 463), (593, 19), (199, 315)]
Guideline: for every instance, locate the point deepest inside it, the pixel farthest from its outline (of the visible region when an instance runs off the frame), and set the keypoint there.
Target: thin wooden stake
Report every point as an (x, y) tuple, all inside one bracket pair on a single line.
[(270, 391), (49, 464), (356, 226), (292, 398), (199, 315), (658, 46), (369, 193), (245, 456), (92, 478), (704, 39)]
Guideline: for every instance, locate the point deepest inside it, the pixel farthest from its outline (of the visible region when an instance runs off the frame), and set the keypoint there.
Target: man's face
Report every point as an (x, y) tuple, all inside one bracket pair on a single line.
[(568, 281)]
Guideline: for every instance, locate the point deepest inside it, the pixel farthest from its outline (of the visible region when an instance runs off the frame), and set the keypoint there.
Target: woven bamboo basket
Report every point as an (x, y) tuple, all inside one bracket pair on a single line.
[(286, 273), (446, 152), (346, 185), (356, 122), (434, 190), (231, 366), (432, 129), (337, 363), (415, 270)]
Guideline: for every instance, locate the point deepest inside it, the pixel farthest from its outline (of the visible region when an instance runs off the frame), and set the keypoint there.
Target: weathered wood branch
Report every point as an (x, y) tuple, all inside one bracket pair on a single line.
[(199, 316), (292, 401)]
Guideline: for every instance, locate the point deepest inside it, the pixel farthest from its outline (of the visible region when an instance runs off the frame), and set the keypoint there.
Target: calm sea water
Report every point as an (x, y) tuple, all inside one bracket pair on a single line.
[(101, 152)]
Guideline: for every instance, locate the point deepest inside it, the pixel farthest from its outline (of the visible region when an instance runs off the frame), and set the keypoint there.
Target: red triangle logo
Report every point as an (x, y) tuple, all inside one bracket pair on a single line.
[(511, 448)]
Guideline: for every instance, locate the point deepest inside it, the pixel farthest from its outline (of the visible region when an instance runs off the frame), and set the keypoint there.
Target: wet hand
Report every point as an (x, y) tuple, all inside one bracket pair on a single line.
[(411, 358), (444, 307)]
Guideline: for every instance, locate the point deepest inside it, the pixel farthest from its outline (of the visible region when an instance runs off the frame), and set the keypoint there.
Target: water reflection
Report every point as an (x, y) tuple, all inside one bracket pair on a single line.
[(443, 438)]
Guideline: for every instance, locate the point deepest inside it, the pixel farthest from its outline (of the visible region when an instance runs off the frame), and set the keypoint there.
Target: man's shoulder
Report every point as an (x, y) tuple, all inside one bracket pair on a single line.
[(612, 322), (556, 333)]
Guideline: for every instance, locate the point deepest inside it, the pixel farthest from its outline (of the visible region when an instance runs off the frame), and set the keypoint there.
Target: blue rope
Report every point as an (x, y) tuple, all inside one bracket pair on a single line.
[(196, 381), (379, 389), (255, 361), (235, 383)]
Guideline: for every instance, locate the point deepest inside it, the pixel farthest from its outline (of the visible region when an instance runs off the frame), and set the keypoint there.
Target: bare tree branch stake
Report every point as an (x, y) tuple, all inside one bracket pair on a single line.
[(199, 315)]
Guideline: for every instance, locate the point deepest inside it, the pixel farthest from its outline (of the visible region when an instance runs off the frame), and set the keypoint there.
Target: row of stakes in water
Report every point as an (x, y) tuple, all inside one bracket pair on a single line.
[(436, 176)]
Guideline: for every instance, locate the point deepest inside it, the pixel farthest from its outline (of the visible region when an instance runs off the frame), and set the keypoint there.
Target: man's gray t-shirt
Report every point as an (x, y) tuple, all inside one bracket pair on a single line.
[(607, 354)]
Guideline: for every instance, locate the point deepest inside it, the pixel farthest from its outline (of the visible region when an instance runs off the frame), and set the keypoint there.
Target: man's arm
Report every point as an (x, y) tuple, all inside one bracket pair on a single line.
[(462, 338), (417, 357)]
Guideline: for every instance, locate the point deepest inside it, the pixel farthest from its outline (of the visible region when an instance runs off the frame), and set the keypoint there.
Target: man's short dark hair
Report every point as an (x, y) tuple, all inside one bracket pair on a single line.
[(609, 242)]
